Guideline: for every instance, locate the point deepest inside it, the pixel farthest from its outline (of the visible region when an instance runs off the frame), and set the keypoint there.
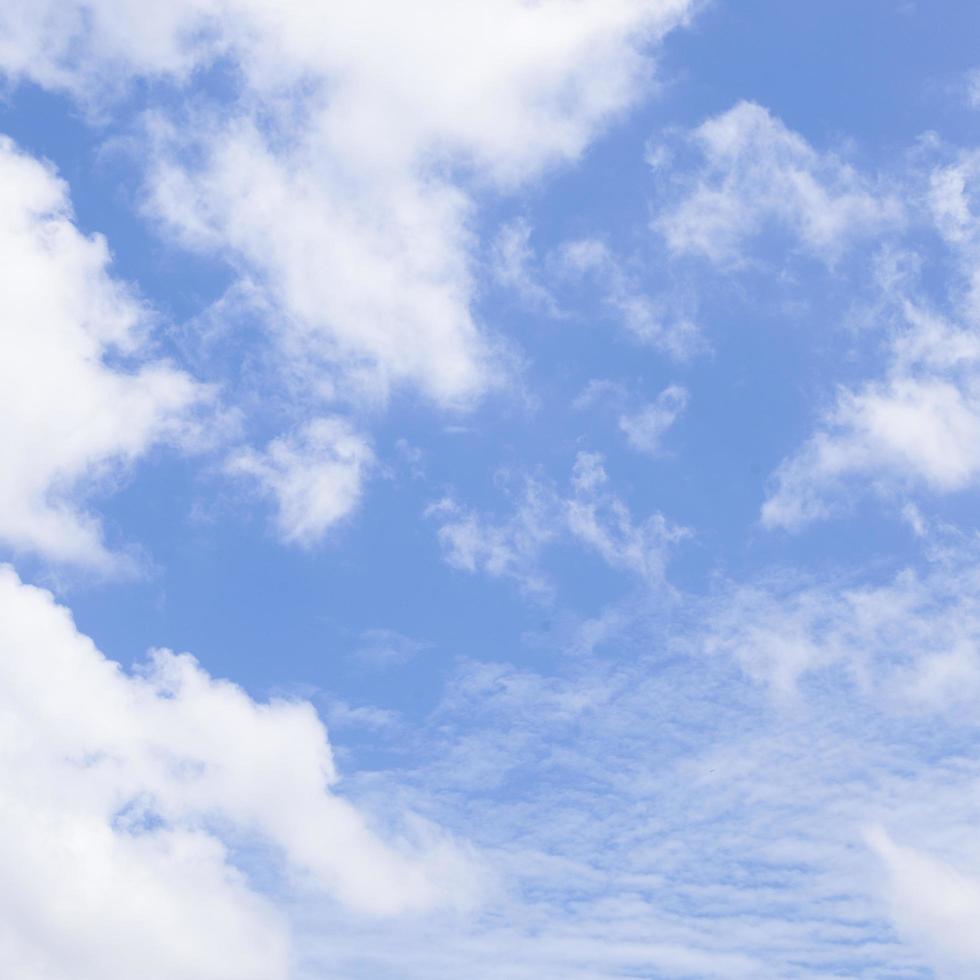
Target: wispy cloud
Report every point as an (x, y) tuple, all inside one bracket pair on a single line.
[(590, 515), (756, 172), (645, 428)]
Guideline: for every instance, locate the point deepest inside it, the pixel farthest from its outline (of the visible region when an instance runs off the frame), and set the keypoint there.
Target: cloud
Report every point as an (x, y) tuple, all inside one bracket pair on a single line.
[(757, 173), (660, 324), (315, 475), (912, 641), (474, 543), (654, 813), (367, 272), (644, 429), (513, 261), (135, 804), (649, 322), (582, 60), (337, 171), (82, 396), (600, 391), (971, 88), (387, 648), (590, 515), (932, 903), (340, 714), (343, 176), (954, 207), (919, 427), (599, 519), (915, 427)]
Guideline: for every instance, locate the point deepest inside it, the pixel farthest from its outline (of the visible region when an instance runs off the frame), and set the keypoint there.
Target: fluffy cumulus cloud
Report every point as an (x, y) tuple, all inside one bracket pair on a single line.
[(367, 273), (757, 175), (82, 395), (918, 428), (129, 798), (554, 48), (315, 476)]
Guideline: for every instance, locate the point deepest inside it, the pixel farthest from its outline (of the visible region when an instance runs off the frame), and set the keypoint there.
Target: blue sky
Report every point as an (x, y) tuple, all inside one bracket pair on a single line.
[(489, 489)]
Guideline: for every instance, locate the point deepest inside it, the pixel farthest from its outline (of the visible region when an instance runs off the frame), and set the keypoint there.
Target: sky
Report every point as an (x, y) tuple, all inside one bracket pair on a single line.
[(489, 489)]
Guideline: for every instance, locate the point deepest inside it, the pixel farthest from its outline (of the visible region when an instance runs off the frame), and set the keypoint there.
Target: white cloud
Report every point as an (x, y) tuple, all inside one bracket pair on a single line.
[(972, 88), (591, 515), (315, 475), (661, 324), (913, 641), (368, 272), (701, 828), (897, 662), (511, 548), (918, 427), (340, 172), (340, 714), (81, 399), (341, 179), (649, 322), (128, 799), (580, 61), (600, 519), (933, 903), (599, 391), (954, 204), (386, 648), (758, 173), (644, 429), (513, 267), (654, 815)]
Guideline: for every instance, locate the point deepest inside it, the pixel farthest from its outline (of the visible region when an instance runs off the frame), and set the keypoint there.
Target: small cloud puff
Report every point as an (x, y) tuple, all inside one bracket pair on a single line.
[(315, 475)]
